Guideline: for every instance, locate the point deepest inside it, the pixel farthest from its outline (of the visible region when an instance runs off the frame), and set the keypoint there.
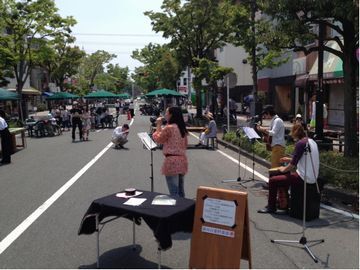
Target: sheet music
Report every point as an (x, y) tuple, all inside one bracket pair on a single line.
[(251, 133), (147, 141)]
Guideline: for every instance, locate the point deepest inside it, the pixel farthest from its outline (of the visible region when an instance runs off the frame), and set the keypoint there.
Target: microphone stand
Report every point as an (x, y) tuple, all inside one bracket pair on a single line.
[(251, 135), (303, 240), (238, 179)]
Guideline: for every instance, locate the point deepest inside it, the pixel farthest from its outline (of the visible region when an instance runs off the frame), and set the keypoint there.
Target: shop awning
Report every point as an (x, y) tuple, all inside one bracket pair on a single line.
[(28, 91), (332, 65), (301, 80)]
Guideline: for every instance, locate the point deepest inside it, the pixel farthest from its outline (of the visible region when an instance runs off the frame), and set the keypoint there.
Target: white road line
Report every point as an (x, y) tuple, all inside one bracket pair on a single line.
[(339, 211), (266, 179), (11, 237), (262, 177)]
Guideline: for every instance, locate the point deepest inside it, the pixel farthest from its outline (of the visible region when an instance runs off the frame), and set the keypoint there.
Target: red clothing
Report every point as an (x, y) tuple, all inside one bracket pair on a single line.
[(174, 150)]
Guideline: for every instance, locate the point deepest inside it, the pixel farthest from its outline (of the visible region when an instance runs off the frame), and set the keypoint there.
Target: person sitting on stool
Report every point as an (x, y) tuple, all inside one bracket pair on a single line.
[(298, 160), (209, 132)]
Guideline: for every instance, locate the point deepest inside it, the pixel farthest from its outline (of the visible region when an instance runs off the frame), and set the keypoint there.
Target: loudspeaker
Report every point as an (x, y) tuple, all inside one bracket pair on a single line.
[(297, 201)]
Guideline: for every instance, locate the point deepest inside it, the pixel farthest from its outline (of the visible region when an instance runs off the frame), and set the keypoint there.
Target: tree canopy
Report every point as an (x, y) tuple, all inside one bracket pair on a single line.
[(296, 26), (26, 23), (195, 27), (161, 68)]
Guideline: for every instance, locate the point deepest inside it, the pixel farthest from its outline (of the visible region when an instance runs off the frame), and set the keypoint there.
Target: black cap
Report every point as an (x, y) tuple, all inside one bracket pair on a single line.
[(267, 109)]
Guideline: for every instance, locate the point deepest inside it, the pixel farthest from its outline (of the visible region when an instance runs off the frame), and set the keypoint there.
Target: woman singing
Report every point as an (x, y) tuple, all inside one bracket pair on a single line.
[(173, 137)]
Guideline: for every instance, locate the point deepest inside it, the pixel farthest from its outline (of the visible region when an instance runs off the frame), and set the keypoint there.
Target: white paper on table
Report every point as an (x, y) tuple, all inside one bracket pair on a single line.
[(135, 201)]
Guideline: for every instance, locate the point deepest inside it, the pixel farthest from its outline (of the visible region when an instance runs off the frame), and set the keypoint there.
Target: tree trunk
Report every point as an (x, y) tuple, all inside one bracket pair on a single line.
[(198, 103), (197, 86), (19, 70), (61, 85), (350, 63)]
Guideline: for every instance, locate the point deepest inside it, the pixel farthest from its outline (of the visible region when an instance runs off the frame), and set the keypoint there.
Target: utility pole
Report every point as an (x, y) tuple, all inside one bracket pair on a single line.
[(253, 104), (132, 89), (319, 94)]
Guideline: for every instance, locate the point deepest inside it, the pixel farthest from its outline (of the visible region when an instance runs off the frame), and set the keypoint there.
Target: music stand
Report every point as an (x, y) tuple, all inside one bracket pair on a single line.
[(303, 241), (150, 145), (252, 136), (250, 133)]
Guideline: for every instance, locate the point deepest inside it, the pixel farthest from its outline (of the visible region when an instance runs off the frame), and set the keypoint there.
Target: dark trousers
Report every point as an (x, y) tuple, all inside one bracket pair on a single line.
[(76, 123), (6, 145), (285, 181)]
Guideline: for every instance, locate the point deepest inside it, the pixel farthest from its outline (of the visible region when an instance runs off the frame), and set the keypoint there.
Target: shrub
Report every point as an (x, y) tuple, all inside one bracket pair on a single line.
[(339, 171)]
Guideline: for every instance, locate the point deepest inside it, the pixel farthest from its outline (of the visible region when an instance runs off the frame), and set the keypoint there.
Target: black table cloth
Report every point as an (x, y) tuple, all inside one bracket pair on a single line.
[(164, 220)]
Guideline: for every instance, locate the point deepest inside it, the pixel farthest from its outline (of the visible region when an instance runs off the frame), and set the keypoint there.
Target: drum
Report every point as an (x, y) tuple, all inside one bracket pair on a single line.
[(282, 194)]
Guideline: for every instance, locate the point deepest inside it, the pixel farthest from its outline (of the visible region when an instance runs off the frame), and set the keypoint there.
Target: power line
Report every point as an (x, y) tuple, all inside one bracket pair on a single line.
[(116, 35), (111, 43)]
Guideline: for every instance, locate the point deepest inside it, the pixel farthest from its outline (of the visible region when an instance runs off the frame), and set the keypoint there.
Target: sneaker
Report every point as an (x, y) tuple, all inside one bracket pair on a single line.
[(266, 210)]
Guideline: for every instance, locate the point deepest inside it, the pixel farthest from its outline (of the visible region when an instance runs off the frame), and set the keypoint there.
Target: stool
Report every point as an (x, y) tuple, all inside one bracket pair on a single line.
[(312, 202), (212, 141)]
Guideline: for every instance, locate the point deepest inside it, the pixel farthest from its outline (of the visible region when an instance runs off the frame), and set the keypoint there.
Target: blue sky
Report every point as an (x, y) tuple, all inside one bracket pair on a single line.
[(123, 20)]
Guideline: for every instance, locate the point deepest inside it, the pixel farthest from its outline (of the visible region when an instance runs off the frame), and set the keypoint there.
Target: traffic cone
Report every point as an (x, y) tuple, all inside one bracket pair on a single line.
[(128, 115)]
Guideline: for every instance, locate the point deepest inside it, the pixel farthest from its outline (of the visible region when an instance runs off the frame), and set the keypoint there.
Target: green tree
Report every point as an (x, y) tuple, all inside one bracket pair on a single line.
[(60, 59), (211, 72), (5, 55), (195, 27), (93, 65), (249, 32), (161, 68), (294, 28), (27, 22), (120, 76), (6, 64)]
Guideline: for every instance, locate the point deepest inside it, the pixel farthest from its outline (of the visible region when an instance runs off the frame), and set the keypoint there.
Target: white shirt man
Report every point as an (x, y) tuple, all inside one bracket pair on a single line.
[(277, 133)]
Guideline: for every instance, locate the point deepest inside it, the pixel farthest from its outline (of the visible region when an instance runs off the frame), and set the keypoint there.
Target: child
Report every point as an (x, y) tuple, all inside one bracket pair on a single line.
[(119, 136), (86, 119)]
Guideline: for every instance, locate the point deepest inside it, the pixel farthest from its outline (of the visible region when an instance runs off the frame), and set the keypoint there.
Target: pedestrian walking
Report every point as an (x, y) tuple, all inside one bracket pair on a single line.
[(6, 142), (65, 116), (76, 121), (117, 107), (86, 122), (173, 137)]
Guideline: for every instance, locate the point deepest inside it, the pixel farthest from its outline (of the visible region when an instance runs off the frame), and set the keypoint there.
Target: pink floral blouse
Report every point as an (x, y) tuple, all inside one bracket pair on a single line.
[(174, 150)]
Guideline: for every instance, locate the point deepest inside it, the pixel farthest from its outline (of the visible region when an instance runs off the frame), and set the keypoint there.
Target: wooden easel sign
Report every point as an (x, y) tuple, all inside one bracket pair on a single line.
[(220, 237)]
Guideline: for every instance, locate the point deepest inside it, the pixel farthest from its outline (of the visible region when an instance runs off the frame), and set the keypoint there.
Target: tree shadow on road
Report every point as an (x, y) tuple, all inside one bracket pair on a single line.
[(126, 257)]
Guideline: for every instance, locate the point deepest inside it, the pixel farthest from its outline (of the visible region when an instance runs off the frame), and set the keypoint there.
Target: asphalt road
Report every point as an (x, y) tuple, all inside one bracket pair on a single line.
[(49, 239)]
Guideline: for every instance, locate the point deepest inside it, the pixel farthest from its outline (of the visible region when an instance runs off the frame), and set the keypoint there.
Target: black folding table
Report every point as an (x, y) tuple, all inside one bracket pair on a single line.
[(163, 220)]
